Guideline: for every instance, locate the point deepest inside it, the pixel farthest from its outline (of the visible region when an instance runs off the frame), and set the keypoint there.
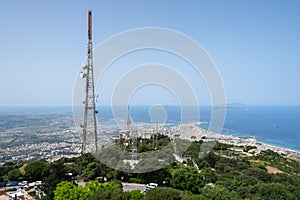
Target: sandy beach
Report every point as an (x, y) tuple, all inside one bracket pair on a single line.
[(191, 131)]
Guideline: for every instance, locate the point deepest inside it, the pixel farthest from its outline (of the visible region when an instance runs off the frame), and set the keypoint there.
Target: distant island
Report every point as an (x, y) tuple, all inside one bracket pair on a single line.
[(233, 106)]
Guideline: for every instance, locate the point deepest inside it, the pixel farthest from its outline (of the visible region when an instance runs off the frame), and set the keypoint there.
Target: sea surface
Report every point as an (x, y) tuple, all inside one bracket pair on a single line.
[(276, 125)]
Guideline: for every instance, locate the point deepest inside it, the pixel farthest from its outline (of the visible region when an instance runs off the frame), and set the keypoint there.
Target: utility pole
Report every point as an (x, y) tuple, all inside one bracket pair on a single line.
[(90, 140)]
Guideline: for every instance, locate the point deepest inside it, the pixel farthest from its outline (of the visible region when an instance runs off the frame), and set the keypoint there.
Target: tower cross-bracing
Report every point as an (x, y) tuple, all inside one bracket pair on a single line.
[(90, 139)]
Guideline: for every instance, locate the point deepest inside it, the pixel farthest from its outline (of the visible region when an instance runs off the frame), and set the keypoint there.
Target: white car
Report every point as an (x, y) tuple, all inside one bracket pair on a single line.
[(150, 186), (23, 183), (37, 183), (31, 184)]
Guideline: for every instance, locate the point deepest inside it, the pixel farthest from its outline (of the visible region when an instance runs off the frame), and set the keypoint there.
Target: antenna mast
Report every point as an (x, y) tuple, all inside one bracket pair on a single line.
[(131, 133), (90, 140)]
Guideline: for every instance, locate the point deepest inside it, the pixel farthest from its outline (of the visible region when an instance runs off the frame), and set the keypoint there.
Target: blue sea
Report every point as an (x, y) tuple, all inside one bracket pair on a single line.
[(277, 125)]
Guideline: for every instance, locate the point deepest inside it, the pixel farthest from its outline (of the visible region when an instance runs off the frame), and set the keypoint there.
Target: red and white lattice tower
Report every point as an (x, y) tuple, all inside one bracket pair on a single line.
[(89, 136)]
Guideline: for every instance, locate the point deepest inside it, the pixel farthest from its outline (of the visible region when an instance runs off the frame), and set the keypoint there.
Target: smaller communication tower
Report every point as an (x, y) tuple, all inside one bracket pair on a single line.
[(155, 136), (132, 134), (128, 124)]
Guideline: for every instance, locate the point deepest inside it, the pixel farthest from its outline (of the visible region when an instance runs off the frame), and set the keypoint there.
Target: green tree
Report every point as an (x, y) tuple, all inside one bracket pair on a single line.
[(91, 171), (186, 178), (105, 191), (36, 170), (260, 174), (270, 191), (286, 179), (64, 190), (14, 174), (68, 191), (6, 168), (163, 194), (137, 195), (218, 193), (208, 175), (110, 194), (57, 173)]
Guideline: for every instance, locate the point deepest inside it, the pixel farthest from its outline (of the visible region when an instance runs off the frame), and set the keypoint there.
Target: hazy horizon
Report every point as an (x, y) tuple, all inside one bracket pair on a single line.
[(254, 44)]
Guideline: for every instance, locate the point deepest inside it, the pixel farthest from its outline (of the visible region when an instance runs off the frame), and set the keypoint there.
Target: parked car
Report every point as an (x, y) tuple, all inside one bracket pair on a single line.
[(23, 183), (11, 184), (3, 184), (150, 186), (31, 184), (37, 183)]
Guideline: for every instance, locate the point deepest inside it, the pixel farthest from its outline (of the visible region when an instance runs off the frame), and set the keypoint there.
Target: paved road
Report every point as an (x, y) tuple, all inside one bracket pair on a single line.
[(133, 186)]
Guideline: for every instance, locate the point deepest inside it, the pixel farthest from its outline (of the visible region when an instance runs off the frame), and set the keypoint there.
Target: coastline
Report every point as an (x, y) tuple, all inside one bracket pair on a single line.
[(193, 133)]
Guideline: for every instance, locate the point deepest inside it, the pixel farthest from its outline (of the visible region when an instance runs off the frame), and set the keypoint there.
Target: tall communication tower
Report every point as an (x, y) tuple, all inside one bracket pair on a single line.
[(90, 139)]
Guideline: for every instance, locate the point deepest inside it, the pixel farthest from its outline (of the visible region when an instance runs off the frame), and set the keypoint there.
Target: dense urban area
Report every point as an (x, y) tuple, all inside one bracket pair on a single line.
[(39, 135)]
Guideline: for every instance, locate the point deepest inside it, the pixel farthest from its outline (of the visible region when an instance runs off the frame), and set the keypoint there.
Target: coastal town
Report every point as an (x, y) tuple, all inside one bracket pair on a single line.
[(227, 148), (199, 133), (62, 139)]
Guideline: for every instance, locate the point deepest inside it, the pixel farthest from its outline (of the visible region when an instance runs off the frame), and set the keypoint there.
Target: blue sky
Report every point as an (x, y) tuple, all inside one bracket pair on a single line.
[(255, 45)]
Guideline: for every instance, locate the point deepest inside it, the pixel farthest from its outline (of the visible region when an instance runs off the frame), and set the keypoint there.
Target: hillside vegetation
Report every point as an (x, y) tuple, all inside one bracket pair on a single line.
[(227, 172)]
